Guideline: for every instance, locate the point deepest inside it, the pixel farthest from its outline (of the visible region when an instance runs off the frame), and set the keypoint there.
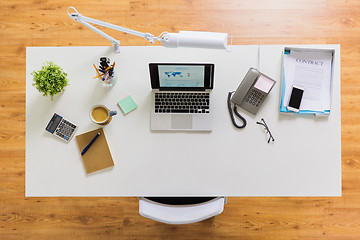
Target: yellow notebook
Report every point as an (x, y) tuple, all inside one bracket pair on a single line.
[(98, 156)]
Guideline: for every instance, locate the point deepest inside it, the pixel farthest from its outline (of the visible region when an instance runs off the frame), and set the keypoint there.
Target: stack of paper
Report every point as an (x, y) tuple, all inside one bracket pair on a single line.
[(311, 69)]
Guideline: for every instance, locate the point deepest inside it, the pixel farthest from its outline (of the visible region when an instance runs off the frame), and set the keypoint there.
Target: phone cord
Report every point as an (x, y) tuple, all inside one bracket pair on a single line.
[(236, 113)]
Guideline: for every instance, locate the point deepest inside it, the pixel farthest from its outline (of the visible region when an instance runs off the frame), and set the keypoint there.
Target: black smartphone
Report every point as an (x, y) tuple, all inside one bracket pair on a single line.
[(295, 98)]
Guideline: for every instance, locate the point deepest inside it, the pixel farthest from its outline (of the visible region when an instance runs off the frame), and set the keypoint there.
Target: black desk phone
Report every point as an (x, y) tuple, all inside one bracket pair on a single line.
[(252, 91)]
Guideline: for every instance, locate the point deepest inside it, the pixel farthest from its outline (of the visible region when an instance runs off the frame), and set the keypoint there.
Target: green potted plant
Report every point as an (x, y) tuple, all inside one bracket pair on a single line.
[(50, 80)]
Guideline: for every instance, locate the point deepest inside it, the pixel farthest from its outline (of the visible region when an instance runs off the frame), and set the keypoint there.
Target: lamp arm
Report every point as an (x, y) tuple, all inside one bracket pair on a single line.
[(147, 36), (111, 39), (86, 22), (173, 40)]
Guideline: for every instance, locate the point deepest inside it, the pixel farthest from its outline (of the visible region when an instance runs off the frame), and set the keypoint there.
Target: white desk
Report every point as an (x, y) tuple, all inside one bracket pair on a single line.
[(226, 161)]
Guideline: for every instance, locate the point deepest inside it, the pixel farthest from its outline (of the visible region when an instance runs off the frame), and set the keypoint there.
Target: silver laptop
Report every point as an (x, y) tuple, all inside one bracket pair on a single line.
[(180, 98)]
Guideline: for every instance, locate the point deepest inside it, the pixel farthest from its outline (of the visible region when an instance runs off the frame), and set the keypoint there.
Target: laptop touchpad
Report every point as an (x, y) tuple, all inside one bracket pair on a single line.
[(179, 121)]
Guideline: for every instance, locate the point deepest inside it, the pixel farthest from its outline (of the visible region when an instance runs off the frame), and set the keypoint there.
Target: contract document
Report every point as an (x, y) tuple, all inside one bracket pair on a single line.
[(310, 69)]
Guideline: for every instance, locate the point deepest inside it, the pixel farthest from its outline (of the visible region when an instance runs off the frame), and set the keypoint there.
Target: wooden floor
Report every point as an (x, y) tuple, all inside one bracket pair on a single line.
[(45, 23)]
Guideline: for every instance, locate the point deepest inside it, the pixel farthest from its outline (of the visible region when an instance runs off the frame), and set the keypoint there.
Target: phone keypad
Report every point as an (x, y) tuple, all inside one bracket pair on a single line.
[(254, 97)]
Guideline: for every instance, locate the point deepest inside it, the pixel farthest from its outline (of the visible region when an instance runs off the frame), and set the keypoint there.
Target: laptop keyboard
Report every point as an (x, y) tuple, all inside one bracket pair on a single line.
[(182, 102)]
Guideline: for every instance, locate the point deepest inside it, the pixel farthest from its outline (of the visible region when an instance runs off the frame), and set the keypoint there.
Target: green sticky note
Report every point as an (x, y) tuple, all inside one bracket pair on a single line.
[(127, 104)]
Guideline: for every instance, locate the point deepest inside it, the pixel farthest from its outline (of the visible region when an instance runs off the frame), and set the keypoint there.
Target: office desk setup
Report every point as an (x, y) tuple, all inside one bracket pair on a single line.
[(304, 160)]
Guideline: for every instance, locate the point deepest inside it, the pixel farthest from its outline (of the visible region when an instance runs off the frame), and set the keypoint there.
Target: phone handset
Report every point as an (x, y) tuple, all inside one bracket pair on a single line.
[(236, 113)]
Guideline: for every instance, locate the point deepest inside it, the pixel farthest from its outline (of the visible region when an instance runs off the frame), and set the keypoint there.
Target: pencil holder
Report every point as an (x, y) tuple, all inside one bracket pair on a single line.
[(106, 72), (109, 81)]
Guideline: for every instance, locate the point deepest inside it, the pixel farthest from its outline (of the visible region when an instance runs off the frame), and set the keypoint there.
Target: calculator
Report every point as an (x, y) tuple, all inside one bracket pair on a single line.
[(61, 128)]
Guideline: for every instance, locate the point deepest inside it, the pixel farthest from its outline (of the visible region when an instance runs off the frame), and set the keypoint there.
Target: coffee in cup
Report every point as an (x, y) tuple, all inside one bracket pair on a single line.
[(101, 115)]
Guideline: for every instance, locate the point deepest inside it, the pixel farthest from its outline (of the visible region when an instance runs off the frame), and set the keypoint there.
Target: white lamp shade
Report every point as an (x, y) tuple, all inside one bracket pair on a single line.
[(195, 40)]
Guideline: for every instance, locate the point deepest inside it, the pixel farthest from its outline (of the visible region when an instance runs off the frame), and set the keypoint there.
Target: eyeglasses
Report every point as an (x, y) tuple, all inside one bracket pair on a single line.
[(267, 130)]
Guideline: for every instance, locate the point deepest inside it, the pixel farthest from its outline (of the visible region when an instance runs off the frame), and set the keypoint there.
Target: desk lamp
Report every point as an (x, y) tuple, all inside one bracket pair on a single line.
[(172, 40)]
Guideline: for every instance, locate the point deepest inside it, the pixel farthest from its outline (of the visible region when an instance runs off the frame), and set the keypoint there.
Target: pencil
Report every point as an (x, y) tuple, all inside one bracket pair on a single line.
[(97, 71), (98, 76)]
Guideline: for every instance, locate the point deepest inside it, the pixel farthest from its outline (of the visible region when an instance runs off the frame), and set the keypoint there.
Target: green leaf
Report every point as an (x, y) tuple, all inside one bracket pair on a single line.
[(50, 80)]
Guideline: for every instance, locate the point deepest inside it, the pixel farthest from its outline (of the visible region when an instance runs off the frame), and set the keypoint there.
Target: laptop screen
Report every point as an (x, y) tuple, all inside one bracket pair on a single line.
[(175, 76), (181, 76)]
